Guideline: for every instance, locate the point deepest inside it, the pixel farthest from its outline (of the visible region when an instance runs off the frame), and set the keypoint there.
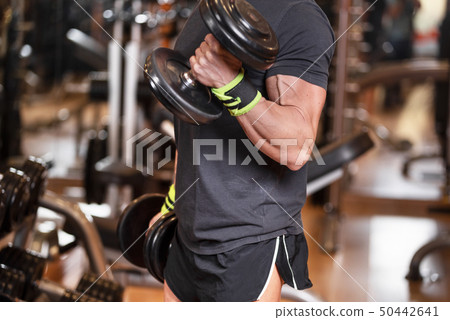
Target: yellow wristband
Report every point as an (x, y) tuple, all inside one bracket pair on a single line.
[(169, 202), (239, 96)]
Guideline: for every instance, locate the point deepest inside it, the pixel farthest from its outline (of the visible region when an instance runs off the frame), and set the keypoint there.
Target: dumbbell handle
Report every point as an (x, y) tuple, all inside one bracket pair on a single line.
[(189, 79), (55, 291)]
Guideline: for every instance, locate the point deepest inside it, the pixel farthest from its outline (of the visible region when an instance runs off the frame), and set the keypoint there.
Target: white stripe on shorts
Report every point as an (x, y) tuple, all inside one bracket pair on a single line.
[(287, 258), (277, 244)]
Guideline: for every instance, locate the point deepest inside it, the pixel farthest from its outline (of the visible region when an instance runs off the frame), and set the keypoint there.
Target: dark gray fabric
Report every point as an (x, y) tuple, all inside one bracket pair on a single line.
[(237, 275), (226, 208)]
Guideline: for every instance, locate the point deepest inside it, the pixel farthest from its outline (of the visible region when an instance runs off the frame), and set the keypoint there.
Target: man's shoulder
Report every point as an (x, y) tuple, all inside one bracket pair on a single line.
[(277, 12)]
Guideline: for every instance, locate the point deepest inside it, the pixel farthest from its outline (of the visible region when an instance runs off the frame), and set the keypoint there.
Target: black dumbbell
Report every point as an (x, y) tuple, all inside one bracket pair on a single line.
[(15, 187), (30, 263), (27, 261), (157, 244), (14, 287), (21, 277), (144, 247), (36, 171), (101, 289), (241, 29), (133, 225), (12, 283), (20, 191), (2, 207)]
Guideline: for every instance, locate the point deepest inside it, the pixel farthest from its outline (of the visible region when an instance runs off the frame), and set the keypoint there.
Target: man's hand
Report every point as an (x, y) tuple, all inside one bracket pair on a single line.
[(212, 65), (154, 219)]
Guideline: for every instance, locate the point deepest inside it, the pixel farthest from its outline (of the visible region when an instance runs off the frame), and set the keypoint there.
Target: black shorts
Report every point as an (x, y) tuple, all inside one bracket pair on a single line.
[(241, 274)]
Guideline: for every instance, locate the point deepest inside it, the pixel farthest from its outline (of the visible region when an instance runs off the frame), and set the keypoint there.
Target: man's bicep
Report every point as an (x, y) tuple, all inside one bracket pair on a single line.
[(294, 92)]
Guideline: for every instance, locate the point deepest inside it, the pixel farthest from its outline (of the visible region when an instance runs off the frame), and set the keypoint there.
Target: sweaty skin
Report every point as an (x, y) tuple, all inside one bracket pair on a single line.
[(288, 121)]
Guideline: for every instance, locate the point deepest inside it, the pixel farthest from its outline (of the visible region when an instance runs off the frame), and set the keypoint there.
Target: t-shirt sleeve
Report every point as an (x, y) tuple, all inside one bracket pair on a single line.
[(306, 44)]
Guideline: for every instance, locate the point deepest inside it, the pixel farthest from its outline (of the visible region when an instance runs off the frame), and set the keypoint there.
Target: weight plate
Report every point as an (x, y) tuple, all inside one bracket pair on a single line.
[(242, 30), (158, 243), (36, 170), (193, 104), (9, 183), (133, 223), (21, 197), (102, 289), (2, 208)]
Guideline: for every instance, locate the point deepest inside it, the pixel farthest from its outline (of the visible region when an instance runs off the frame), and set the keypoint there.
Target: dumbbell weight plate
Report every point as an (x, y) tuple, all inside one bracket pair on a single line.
[(193, 104), (21, 197), (36, 171), (133, 224), (158, 243), (7, 186), (2, 207), (242, 30), (24, 260), (15, 185), (101, 289)]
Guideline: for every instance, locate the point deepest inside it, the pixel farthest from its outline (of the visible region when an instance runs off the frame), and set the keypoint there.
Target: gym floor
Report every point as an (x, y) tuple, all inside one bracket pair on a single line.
[(384, 216)]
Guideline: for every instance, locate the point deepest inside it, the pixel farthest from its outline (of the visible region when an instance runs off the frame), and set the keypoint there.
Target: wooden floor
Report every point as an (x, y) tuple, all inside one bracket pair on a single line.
[(384, 216)]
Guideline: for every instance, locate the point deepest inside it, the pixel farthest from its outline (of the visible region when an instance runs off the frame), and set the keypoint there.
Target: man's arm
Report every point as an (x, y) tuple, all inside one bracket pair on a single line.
[(289, 120), (291, 115)]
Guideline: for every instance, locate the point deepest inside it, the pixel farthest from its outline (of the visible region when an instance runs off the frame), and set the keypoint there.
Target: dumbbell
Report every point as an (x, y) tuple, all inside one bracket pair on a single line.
[(20, 191), (241, 29), (36, 171), (14, 260), (146, 249), (12, 283), (16, 194), (31, 265), (14, 287), (2, 208)]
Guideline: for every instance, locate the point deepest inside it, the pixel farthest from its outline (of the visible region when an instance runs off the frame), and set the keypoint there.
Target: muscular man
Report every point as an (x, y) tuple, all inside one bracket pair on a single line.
[(240, 234)]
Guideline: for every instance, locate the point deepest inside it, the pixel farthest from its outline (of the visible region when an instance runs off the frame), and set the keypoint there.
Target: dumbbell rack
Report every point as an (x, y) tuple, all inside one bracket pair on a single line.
[(19, 224), (22, 277)]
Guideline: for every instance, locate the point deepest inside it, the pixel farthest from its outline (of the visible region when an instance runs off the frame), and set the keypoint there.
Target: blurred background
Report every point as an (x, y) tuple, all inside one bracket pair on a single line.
[(72, 93)]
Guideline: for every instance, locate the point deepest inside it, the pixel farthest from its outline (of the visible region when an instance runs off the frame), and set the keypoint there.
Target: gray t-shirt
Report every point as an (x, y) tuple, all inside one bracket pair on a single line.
[(241, 196)]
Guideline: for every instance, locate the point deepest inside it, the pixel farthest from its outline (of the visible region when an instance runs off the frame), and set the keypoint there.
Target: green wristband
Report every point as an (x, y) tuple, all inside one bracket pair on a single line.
[(239, 96), (169, 202)]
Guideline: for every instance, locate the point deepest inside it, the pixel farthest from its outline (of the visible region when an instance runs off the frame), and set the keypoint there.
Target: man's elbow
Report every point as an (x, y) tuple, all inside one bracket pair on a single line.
[(296, 160)]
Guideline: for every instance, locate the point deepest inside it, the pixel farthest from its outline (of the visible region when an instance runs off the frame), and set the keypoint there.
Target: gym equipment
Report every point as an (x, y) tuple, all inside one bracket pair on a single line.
[(87, 49), (134, 223), (241, 29), (157, 244), (152, 251), (81, 225), (443, 121), (12, 283), (101, 289), (439, 243), (16, 191), (31, 265), (25, 270), (2, 208), (21, 190), (36, 171), (15, 287), (95, 191)]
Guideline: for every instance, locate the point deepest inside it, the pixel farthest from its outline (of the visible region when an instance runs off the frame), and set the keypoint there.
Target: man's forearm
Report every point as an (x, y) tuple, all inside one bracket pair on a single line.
[(288, 121), (287, 130)]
